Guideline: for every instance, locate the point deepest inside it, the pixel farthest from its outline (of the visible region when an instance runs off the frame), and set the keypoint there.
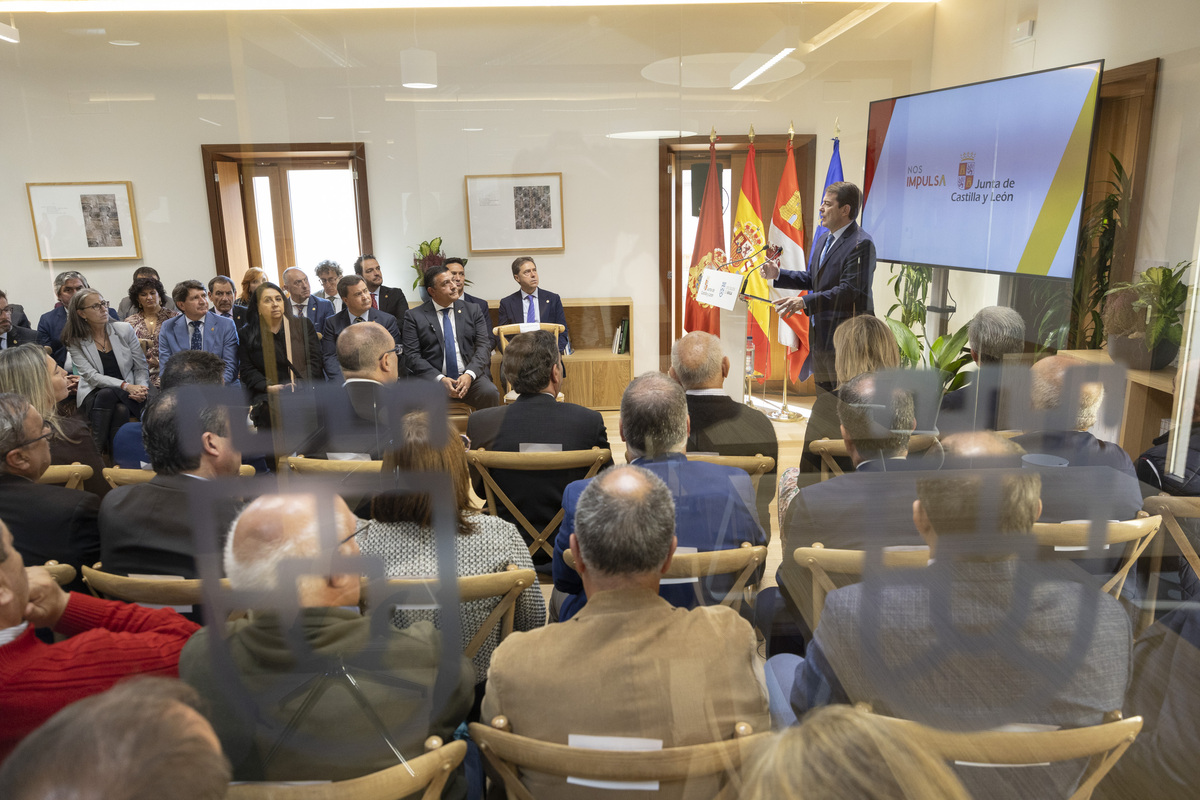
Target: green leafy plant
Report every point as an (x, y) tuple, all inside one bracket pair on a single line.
[(947, 354), (911, 285), (1101, 232), (429, 254), (1149, 306)]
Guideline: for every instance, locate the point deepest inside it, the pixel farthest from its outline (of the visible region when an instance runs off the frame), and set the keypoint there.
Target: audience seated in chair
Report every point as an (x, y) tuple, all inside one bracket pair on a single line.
[(51, 324), (356, 425), (720, 424), (714, 504), (993, 333), (144, 739), (109, 640), (392, 672), (978, 639), (47, 522), (12, 332), (356, 309), (629, 664), (535, 423), (145, 528)]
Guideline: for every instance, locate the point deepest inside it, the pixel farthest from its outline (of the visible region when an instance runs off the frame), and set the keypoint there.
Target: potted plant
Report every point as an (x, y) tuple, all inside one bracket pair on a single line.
[(1143, 319), (428, 254)]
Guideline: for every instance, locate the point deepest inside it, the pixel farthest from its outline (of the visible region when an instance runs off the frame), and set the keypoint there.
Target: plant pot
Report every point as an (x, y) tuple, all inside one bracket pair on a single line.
[(1134, 355)]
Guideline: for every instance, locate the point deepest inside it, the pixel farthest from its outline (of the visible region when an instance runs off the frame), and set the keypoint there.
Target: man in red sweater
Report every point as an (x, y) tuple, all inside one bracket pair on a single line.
[(109, 641)]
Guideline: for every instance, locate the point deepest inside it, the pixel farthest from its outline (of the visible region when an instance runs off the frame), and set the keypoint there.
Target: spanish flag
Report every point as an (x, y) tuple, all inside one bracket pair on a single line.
[(748, 243), (708, 253)]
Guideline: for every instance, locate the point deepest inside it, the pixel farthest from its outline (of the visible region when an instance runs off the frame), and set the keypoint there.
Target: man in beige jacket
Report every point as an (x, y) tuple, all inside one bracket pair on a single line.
[(629, 664)]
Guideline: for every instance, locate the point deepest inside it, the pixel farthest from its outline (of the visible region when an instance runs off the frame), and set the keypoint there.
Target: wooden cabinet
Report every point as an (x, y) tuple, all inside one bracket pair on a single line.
[(596, 377)]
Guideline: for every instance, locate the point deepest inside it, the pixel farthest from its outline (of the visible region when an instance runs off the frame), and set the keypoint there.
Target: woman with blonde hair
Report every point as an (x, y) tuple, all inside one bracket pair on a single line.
[(840, 751), (114, 378), (29, 372), (401, 533), (254, 277)]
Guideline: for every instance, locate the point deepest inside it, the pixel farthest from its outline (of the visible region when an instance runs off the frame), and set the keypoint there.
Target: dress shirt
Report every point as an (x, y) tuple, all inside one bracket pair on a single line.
[(526, 299), (458, 356), (4, 341), (191, 331), (706, 392)]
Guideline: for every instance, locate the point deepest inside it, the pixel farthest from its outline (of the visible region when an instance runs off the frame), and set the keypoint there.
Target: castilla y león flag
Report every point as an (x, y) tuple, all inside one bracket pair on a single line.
[(708, 253), (748, 243), (787, 232)]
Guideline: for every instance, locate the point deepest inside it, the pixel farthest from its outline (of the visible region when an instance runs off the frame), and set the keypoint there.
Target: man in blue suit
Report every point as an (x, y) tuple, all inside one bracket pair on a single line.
[(301, 302), (531, 304), (50, 326), (714, 504), (840, 270), (356, 307), (198, 326)]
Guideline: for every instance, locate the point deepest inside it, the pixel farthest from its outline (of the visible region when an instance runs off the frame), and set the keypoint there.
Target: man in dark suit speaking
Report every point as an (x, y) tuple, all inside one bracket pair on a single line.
[(447, 340), (838, 279), (531, 304)]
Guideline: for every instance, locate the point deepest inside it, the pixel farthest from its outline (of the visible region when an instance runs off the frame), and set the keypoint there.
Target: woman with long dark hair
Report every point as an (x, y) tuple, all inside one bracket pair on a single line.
[(272, 361), (148, 299)]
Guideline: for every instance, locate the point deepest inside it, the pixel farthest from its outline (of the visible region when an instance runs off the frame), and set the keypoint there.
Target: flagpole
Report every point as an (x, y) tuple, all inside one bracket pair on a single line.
[(783, 413)]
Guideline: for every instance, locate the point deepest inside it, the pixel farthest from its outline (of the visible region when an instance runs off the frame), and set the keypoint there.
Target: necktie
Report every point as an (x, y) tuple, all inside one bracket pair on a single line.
[(825, 250), (531, 316), (451, 352), (357, 320), (374, 304), (197, 343)]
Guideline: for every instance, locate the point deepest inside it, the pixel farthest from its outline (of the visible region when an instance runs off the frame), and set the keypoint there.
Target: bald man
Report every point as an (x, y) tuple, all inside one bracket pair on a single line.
[(301, 302), (394, 670), (356, 426)]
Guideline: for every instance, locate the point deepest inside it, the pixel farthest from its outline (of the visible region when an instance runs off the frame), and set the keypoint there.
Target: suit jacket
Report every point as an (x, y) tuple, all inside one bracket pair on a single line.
[(714, 510), (334, 301), (130, 358), (306, 358), (336, 323), (486, 311), (421, 335), (724, 426), (632, 665), (50, 328), (837, 290), (18, 336), (392, 301), (145, 527), (318, 310), (19, 318), (354, 419), (550, 310), (50, 522), (220, 338), (535, 419), (334, 740), (972, 690)]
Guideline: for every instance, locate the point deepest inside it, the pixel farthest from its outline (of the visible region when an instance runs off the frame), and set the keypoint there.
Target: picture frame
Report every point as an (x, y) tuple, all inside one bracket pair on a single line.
[(515, 213), (84, 221)]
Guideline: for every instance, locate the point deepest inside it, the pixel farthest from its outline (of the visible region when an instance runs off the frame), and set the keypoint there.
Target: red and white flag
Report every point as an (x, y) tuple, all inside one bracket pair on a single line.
[(708, 253), (787, 232)]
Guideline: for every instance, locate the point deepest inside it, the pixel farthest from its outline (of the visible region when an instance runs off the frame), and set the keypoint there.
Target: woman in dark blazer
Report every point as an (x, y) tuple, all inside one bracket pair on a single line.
[(270, 361), (114, 377)]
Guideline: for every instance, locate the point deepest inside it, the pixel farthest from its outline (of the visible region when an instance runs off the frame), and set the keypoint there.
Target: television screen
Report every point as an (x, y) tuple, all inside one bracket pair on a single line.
[(986, 177)]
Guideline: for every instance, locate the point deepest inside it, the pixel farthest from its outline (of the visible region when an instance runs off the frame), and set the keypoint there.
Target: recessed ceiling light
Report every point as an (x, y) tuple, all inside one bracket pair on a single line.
[(364, 131), (650, 134), (209, 121), (124, 42), (472, 130), (324, 117)]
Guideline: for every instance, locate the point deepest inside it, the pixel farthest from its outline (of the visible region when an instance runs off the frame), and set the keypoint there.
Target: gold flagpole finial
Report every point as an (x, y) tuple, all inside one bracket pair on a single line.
[(712, 137), (837, 127), (791, 130), (751, 133)]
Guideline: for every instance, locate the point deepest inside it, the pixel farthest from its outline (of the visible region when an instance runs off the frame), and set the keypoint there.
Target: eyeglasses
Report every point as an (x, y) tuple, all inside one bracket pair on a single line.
[(102, 304), (6, 311), (47, 432), (387, 353)]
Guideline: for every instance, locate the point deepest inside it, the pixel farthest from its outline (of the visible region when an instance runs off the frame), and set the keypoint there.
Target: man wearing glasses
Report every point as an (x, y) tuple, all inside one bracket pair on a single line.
[(47, 522), (11, 335), (50, 326), (367, 356)]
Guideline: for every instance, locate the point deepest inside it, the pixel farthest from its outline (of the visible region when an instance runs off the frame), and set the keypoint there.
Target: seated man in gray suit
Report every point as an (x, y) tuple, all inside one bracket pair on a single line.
[(979, 638), (447, 340)]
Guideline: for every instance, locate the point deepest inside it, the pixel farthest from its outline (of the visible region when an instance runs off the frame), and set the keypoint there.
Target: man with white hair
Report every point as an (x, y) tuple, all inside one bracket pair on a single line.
[(391, 673), (993, 333), (629, 664), (720, 424), (301, 303)]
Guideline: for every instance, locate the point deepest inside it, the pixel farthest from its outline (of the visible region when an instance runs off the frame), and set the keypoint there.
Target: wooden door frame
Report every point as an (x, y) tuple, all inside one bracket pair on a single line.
[(670, 249), (356, 152)]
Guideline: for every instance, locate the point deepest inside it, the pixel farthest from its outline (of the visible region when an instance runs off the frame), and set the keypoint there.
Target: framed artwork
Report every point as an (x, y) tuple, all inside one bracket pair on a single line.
[(90, 221), (514, 213)]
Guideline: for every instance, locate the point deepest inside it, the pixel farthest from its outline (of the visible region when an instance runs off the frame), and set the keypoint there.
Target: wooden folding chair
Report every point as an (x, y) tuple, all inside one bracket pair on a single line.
[(509, 753), (70, 475), (831, 449), (1171, 509), (823, 563), (152, 591), (1101, 744), (506, 585), (320, 466), (1135, 534), (117, 476), (741, 561), (61, 573), (486, 460), (755, 466), (505, 332), (429, 771)]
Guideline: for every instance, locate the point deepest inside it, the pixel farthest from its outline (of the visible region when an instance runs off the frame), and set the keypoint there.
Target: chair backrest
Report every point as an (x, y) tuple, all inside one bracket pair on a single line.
[(506, 585), (116, 476), (485, 460), (1101, 744), (823, 562), (70, 475), (1135, 534), (741, 561), (505, 332), (1171, 509), (321, 466), (755, 466), (429, 771), (509, 752), (156, 591), (61, 573), (831, 449)]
